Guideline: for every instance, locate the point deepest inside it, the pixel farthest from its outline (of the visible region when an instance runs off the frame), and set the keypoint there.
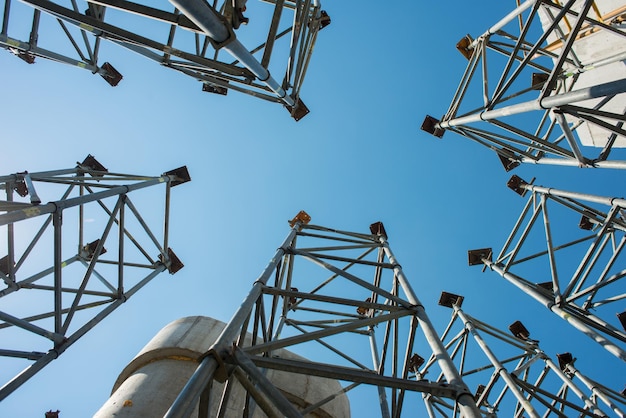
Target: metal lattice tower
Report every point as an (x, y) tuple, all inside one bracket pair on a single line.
[(545, 85), (554, 228), (195, 37), (101, 248), (513, 377), (341, 300)]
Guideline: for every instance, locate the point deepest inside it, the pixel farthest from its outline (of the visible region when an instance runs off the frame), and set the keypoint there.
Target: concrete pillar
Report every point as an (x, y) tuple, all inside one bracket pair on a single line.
[(151, 381)]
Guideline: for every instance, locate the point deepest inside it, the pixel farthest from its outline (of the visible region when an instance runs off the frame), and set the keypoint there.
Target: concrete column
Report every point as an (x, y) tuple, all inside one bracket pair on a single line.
[(149, 384)]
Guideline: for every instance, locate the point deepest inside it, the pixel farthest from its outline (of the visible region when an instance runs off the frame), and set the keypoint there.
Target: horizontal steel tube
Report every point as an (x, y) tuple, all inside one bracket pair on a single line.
[(30, 355), (594, 92), (353, 375), (325, 332), (53, 173), (570, 162), (608, 201), (20, 323), (510, 17), (52, 207)]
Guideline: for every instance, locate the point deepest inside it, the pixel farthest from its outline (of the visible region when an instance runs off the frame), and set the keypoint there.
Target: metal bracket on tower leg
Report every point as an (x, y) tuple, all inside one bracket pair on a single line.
[(463, 46), (509, 163), (516, 183), (302, 217), (450, 299), (299, 110), (25, 56), (110, 74), (172, 263), (215, 89), (91, 164), (430, 125), (181, 175), (475, 257)]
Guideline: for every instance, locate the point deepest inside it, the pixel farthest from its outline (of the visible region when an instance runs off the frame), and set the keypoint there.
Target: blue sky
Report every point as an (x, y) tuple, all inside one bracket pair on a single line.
[(357, 158)]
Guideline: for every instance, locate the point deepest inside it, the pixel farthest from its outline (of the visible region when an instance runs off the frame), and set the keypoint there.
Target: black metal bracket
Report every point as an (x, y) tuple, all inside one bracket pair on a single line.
[(430, 125), (181, 174), (475, 257), (449, 300), (299, 110)]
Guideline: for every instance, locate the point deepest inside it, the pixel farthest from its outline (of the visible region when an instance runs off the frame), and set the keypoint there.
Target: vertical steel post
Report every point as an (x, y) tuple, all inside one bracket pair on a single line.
[(5, 17), (166, 222), (382, 396), (57, 220), (81, 219), (465, 400), (120, 256), (10, 240)]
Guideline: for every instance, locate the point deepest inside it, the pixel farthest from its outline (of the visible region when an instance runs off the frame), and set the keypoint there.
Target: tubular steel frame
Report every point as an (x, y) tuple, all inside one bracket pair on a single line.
[(581, 292), (141, 28), (514, 377), (61, 303), (352, 287), (526, 121)]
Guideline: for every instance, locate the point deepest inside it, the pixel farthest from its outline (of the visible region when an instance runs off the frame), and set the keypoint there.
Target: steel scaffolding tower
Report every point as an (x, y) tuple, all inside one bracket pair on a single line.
[(548, 86), (513, 376), (92, 214), (323, 290), (537, 258), (71, 32)]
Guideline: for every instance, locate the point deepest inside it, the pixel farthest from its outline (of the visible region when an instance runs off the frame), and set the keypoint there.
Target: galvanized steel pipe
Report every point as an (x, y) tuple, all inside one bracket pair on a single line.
[(573, 163), (382, 396), (207, 19), (498, 366), (593, 92), (508, 18), (551, 305), (603, 200), (593, 387), (589, 404), (465, 399)]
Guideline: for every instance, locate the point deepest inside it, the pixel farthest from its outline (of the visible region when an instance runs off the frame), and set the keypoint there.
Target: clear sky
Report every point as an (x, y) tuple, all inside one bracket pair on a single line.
[(357, 158)]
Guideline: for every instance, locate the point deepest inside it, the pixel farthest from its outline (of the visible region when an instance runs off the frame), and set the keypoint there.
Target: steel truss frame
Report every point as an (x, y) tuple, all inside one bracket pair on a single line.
[(513, 376), (61, 303), (580, 292), (189, 49), (537, 121), (352, 286)]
